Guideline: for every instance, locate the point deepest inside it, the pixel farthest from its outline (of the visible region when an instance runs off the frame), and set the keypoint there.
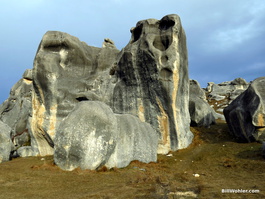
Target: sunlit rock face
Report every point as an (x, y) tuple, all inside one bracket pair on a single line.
[(81, 102), (153, 81), (245, 116), (92, 136), (65, 72)]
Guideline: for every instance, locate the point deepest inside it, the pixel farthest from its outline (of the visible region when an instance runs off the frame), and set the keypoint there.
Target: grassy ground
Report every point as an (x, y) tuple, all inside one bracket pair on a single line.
[(218, 162)]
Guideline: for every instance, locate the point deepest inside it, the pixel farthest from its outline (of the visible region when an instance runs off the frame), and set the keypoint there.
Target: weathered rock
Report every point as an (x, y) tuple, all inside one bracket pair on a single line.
[(65, 72), (136, 141), (221, 95), (25, 151), (153, 82), (16, 110), (148, 79), (113, 140), (86, 137), (245, 116), (200, 111), (5, 142)]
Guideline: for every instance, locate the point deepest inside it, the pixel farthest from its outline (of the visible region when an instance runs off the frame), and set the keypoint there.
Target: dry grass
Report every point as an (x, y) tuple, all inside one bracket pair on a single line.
[(220, 162)]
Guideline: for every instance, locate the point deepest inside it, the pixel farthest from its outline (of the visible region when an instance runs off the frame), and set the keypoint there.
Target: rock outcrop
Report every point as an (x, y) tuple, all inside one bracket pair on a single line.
[(201, 113), (113, 140), (66, 71), (153, 81), (222, 94), (245, 116), (148, 80)]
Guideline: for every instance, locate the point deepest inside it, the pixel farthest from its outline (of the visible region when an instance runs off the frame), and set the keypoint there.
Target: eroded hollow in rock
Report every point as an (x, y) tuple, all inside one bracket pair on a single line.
[(137, 32), (165, 74), (83, 98), (55, 45), (166, 24)]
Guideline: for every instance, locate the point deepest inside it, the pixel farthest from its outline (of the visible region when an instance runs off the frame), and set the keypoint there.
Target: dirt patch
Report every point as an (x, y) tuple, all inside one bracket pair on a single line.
[(214, 161)]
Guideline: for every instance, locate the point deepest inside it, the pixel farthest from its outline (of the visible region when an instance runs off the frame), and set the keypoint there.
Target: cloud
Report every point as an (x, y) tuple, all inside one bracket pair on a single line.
[(237, 26), (225, 38)]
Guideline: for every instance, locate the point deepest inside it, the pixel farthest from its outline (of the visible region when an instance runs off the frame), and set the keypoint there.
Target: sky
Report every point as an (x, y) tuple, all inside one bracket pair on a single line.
[(225, 38)]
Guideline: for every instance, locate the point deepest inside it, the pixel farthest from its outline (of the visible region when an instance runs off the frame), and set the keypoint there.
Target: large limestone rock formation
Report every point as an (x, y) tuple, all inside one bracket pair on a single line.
[(153, 81), (245, 116), (65, 72), (201, 113), (148, 79), (99, 137)]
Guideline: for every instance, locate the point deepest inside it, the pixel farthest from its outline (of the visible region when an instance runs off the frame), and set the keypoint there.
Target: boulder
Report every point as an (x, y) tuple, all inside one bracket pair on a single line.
[(86, 137), (245, 116), (136, 141), (66, 71), (153, 82), (5, 142), (201, 113), (92, 136)]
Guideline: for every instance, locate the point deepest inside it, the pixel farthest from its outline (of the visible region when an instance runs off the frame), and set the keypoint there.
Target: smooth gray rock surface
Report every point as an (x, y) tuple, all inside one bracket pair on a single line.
[(201, 113), (136, 141), (16, 110), (65, 72), (86, 137), (25, 151), (153, 81), (92, 136), (245, 116), (5, 142)]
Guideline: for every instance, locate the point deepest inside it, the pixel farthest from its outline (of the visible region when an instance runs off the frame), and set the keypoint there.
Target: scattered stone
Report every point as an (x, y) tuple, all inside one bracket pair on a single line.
[(196, 175), (182, 194)]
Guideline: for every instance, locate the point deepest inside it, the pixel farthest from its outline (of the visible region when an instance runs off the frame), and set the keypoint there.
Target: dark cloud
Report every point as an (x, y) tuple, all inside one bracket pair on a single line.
[(225, 38)]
